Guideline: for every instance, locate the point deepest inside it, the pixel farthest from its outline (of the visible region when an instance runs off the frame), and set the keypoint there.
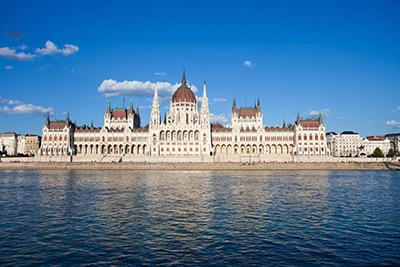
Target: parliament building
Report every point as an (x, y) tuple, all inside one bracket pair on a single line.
[(185, 134)]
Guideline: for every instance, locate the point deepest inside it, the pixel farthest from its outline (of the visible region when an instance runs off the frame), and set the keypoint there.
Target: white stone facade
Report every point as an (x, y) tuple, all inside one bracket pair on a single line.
[(310, 138), (370, 143), (8, 143), (185, 135), (57, 138), (346, 144)]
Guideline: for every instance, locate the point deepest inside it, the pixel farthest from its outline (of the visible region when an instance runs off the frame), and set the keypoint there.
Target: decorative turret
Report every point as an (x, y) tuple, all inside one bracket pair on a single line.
[(130, 111), (155, 115), (234, 105), (67, 121), (48, 119), (108, 111), (320, 118), (298, 118), (258, 105), (204, 113)]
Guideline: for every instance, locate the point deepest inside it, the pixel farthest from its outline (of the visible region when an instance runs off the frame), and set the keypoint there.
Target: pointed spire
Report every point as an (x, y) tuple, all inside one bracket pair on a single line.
[(91, 124), (298, 115), (67, 118), (131, 102), (284, 123), (234, 104), (156, 91), (108, 107), (47, 119), (205, 90), (137, 110), (184, 77), (320, 117), (258, 104)]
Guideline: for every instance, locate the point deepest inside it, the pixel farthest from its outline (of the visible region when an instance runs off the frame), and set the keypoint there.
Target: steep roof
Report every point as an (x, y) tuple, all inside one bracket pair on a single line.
[(246, 112)]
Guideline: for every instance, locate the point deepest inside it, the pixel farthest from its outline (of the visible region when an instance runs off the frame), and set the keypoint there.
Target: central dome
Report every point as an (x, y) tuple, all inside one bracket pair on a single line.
[(183, 93)]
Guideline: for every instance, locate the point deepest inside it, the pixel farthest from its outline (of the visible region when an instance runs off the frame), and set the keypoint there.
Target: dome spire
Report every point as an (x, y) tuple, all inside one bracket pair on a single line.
[(184, 77)]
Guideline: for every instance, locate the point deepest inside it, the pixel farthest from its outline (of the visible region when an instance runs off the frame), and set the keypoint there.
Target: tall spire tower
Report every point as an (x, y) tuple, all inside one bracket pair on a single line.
[(155, 115), (204, 112)]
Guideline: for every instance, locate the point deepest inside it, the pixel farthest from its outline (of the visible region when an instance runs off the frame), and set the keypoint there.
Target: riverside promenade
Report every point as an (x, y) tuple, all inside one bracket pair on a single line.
[(195, 166)]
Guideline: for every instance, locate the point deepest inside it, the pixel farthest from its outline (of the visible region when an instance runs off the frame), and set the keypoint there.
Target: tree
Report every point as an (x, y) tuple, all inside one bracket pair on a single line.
[(378, 153), (390, 153)]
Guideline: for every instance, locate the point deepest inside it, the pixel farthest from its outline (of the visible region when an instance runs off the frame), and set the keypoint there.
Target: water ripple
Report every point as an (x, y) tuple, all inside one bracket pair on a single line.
[(200, 218)]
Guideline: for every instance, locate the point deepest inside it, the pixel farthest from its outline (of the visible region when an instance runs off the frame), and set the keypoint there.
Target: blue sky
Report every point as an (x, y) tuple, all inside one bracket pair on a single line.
[(340, 57)]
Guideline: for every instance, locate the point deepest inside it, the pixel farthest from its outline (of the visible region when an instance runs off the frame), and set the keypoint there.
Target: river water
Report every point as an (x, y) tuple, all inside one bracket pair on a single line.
[(200, 218)]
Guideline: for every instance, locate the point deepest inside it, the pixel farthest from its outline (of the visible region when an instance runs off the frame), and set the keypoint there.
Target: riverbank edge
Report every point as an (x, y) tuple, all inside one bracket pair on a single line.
[(194, 166)]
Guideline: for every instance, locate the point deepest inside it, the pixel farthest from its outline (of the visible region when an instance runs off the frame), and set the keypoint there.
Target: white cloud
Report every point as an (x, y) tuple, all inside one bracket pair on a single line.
[(249, 64), (111, 87), (398, 108), (160, 73), (14, 102), (22, 47), (219, 99), (325, 112), (12, 54), (340, 118), (221, 118), (26, 109), (8, 67), (52, 49), (2, 100), (393, 123)]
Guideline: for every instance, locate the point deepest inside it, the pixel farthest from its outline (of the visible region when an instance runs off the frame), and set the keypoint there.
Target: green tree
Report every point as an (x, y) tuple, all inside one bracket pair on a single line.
[(390, 153), (378, 153)]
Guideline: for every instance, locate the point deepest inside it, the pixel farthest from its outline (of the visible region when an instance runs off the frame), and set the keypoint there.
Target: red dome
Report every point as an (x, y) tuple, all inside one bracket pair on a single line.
[(183, 93)]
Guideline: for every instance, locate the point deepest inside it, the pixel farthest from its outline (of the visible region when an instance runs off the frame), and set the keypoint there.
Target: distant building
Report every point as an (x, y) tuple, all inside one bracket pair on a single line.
[(8, 143), (32, 144), (21, 144), (12, 144), (370, 143), (346, 144), (394, 141)]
